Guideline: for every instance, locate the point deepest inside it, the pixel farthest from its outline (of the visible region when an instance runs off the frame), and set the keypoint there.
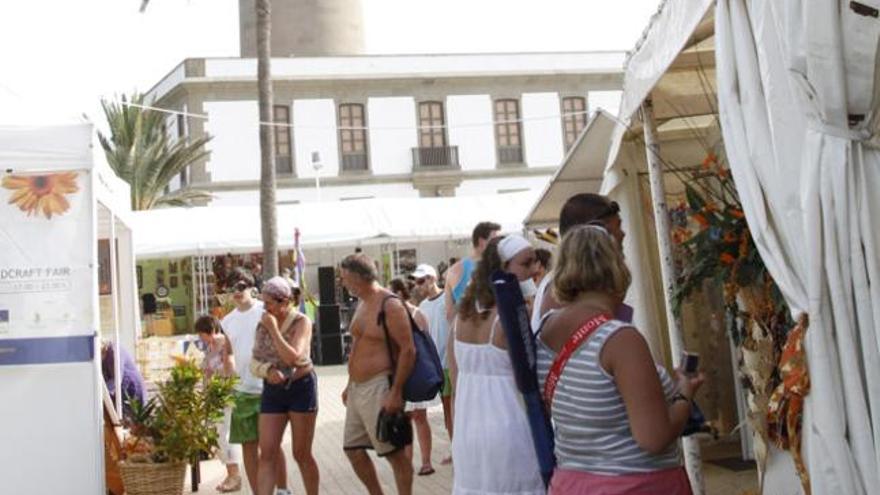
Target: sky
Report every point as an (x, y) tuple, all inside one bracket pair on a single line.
[(58, 58)]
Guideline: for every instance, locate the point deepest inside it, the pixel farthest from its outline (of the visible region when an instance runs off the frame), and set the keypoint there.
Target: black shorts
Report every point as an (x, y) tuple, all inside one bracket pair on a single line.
[(300, 396)]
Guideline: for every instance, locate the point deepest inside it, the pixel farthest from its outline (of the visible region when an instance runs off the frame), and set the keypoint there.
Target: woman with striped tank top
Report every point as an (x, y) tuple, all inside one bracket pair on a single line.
[(617, 415)]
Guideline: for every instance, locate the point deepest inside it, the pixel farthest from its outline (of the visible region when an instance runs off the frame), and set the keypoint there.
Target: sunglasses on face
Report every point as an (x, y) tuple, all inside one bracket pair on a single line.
[(420, 281), (239, 287)]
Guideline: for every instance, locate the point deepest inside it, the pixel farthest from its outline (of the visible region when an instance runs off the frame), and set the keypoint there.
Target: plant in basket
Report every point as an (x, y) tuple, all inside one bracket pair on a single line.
[(172, 428)]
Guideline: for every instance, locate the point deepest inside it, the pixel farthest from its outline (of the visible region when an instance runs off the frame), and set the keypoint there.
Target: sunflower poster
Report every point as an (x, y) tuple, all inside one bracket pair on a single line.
[(46, 233)]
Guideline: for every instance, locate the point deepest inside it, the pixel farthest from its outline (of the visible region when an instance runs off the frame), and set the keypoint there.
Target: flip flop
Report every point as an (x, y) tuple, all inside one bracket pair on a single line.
[(446, 460), (426, 470)]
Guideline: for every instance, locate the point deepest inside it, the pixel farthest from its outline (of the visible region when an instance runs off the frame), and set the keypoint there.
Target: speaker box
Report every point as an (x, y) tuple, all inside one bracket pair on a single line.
[(327, 284), (148, 303), (331, 349)]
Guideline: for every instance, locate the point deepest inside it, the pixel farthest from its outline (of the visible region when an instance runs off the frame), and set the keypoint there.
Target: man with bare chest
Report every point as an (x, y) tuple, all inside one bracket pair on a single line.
[(374, 384)]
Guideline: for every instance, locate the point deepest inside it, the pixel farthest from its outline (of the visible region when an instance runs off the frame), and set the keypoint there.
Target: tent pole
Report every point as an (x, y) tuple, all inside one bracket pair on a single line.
[(690, 445), (114, 298)]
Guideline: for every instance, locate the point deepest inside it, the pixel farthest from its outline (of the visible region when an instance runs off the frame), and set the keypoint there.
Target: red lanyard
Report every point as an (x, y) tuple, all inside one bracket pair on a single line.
[(575, 341)]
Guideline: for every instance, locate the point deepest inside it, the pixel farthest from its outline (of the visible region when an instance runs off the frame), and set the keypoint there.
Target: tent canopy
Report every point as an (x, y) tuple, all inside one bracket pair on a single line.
[(581, 170), (174, 232)]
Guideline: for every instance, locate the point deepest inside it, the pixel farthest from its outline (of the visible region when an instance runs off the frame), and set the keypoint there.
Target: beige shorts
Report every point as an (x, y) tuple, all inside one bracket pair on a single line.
[(362, 411)]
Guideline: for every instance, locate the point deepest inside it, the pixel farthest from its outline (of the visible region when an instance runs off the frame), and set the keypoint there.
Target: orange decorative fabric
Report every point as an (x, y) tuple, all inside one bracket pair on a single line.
[(786, 408)]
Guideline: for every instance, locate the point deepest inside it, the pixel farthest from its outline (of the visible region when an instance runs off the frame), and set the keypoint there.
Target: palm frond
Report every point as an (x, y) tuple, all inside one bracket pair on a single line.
[(142, 153), (182, 197)]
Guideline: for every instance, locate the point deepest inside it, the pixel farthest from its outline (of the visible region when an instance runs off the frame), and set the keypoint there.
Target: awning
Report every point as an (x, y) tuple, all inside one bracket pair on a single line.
[(175, 232), (581, 170)]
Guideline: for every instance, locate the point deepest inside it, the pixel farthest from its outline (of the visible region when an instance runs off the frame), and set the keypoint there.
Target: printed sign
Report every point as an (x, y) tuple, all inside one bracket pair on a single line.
[(47, 241)]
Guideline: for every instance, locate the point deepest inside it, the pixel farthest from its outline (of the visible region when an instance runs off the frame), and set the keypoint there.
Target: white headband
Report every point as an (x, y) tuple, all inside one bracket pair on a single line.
[(511, 246)]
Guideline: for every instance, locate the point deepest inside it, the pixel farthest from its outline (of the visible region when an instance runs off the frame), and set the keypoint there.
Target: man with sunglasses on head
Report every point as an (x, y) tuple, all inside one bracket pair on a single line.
[(240, 327), (580, 209)]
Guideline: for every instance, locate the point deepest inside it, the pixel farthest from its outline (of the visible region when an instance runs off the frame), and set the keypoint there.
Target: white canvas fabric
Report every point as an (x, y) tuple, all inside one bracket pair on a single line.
[(790, 75)]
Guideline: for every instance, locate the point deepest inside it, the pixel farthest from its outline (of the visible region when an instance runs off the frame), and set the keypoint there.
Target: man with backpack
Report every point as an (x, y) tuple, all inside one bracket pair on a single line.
[(376, 379)]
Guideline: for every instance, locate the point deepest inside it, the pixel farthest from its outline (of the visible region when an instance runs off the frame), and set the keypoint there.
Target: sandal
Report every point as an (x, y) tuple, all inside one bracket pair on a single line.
[(446, 460), (426, 470), (230, 484)]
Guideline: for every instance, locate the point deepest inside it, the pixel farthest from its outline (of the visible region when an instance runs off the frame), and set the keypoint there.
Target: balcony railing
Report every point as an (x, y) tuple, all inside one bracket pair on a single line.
[(440, 157), (354, 162), (510, 154)]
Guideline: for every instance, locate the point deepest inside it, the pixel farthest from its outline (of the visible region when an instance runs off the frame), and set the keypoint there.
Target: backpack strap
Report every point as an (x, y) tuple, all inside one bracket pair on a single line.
[(381, 319)]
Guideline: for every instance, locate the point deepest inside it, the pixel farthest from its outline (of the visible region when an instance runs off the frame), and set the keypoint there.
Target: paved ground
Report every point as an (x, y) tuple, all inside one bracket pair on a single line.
[(337, 476)]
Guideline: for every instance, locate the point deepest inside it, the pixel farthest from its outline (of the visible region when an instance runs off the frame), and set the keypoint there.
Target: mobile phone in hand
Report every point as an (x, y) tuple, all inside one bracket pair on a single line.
[(690, 362)]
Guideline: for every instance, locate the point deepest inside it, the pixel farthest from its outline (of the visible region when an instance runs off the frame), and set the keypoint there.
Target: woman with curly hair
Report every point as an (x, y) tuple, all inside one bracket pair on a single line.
[(492, 446)]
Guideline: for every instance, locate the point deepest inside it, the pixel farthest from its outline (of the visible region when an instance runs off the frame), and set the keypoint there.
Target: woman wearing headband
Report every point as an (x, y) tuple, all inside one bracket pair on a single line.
[(492, 446), (617, 415), (281, 357)]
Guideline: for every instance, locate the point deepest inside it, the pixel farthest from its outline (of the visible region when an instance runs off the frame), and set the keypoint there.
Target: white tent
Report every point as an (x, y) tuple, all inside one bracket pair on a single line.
[(175, 232), (797, 97), (54, 207), (798, 102)]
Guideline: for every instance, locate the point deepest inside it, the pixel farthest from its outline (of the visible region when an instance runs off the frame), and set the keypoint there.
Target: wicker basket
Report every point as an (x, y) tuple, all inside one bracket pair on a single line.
[(153, 479)]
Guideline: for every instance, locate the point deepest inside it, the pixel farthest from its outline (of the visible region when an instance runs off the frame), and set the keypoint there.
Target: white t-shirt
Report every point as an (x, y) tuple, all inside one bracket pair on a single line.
[(539, 299), (438, 328), (241, 329)]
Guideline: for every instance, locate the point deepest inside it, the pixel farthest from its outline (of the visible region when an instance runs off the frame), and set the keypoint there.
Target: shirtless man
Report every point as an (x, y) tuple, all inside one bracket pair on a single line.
[(369, 369)]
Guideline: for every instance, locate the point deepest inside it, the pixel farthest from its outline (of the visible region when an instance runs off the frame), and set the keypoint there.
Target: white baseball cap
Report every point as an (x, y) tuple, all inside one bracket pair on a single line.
[(424, 270)]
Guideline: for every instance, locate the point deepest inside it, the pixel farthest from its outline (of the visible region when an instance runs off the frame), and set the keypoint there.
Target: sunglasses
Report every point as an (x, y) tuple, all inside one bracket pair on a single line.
[(420, 281), (239, 287)]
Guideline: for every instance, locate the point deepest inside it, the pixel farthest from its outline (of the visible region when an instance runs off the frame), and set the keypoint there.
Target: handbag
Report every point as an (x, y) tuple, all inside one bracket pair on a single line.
[(394, 428), (426, 378)]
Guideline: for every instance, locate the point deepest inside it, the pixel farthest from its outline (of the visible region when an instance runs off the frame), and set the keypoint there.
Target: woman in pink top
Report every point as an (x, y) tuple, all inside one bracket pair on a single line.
[(219, 361)]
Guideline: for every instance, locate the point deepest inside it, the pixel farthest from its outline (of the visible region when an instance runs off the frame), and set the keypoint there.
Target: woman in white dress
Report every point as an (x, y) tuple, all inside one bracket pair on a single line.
[(492, 446)]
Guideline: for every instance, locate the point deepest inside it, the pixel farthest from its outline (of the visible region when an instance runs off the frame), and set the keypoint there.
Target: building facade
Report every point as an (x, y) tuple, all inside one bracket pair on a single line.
[(388, 126)]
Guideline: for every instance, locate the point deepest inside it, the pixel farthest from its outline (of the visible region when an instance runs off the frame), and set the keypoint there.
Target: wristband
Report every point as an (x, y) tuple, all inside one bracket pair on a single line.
[(680, 396)]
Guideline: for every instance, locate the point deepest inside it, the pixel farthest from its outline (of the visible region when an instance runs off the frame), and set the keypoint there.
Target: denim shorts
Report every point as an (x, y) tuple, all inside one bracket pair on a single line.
[(300, 396)]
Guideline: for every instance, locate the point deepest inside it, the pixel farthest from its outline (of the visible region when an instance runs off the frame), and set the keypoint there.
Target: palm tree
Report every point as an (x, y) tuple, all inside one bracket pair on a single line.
[(268, 221), (139, 150)]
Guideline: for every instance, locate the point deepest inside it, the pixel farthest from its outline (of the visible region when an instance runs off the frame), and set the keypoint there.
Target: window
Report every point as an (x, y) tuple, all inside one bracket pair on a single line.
[(507, 131), (283, 151), (181, 135), (432, 125), (353, 136), (574, 118)]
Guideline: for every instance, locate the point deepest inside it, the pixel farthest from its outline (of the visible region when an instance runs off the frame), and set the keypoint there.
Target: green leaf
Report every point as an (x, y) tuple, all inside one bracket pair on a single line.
[(694, 199)]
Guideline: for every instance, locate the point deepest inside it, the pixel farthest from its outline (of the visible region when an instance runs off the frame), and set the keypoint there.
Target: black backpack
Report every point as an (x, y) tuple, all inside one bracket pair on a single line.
[(426, 378)]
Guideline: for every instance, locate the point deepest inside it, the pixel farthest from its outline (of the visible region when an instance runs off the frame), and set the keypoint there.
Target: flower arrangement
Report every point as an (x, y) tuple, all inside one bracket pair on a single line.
[(714, 246), (178, 423)]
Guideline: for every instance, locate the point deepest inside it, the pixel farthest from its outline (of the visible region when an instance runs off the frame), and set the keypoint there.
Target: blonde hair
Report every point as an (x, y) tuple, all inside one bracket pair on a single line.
[(590, 260)]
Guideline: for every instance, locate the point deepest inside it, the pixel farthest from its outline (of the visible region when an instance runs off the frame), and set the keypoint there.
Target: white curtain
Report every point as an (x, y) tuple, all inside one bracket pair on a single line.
[(792, 76)]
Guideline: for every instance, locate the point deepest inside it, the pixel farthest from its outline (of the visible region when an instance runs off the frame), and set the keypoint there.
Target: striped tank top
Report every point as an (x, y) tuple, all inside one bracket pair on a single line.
[(591, 425)]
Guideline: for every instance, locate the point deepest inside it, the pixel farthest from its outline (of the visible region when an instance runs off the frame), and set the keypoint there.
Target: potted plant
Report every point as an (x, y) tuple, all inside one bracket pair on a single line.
[(172, 428)]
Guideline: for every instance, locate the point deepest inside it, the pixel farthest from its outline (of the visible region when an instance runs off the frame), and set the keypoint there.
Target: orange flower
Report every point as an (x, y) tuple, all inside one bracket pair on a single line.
[(723, 173), (709, 160), (700, 219), (729, 237), (727, 258), (737, 213), (43, 193), (710, 207)]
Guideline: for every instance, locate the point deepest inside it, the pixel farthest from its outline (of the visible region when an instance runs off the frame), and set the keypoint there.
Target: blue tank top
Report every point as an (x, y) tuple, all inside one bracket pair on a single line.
[(467, 271)]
